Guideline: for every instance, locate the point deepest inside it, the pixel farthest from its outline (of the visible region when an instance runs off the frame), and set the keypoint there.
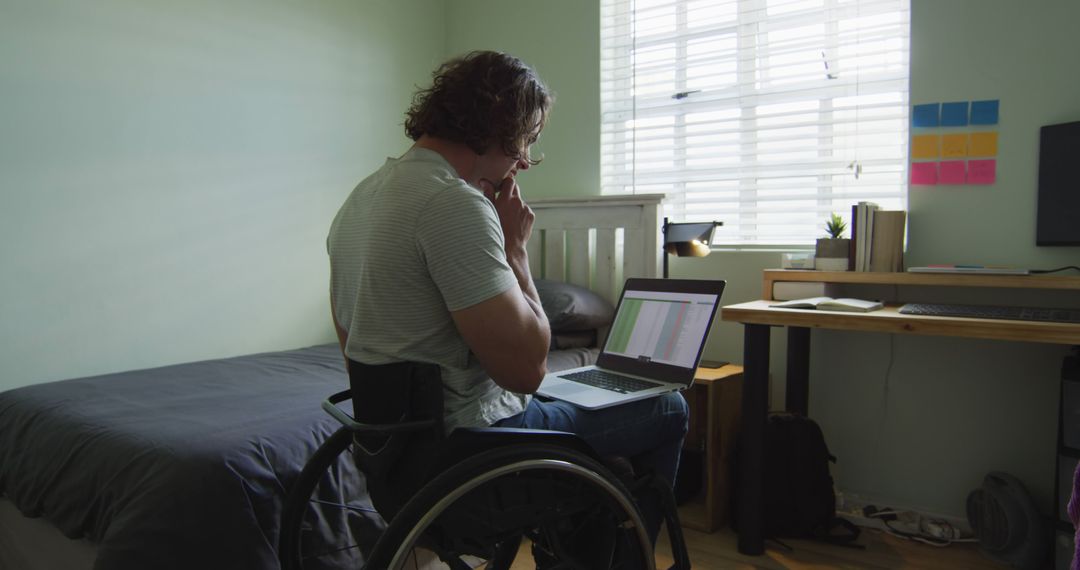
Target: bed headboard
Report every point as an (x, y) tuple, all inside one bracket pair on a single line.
[(597, 242)]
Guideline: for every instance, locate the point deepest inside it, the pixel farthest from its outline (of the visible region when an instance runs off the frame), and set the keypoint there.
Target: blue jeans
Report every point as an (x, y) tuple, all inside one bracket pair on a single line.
[(648, 432)]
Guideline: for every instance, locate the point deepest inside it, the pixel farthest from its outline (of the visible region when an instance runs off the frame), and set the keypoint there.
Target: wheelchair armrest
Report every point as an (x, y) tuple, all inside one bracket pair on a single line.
[(330, 405), (465, 442)]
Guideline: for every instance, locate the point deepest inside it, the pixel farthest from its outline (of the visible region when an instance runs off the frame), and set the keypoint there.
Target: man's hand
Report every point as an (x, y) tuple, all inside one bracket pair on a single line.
[(515, 216)]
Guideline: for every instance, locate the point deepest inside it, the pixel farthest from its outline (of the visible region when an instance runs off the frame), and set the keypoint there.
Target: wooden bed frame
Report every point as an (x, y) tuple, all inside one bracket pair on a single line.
[(597, 242), (594, 242)]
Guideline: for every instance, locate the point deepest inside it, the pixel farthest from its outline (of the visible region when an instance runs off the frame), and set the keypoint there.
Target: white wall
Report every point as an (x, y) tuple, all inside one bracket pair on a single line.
[(168, 170)]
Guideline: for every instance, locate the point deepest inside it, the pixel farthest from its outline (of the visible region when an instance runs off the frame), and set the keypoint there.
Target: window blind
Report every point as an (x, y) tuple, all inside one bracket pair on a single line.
[(766, 115)]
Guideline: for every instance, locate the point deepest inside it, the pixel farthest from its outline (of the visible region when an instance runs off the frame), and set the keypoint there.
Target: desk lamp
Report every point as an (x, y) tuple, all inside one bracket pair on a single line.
[(689, 239)]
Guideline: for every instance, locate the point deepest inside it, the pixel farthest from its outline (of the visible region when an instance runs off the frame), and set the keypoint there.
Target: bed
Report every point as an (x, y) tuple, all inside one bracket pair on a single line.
[(186, 466)]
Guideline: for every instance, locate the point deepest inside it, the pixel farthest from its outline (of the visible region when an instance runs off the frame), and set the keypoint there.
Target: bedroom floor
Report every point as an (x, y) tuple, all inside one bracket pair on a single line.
[(717, 551)]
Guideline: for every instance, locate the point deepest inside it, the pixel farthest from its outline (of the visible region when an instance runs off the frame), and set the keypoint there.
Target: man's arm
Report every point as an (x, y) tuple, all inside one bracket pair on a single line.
[(509, 333), (508, 338)]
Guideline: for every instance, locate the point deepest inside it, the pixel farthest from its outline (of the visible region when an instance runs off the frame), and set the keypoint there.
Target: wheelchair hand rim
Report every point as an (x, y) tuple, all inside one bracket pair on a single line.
[(530, 464)]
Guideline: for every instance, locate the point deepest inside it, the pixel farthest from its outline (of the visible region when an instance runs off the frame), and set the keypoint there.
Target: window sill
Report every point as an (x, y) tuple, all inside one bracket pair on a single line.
[(762, 248)]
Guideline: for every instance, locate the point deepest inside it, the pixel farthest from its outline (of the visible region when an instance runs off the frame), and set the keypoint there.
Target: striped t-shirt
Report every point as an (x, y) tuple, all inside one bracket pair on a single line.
[(412, 243)]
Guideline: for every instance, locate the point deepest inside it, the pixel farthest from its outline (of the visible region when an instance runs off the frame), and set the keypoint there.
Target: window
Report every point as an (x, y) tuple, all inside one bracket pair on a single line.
[(766, 115)]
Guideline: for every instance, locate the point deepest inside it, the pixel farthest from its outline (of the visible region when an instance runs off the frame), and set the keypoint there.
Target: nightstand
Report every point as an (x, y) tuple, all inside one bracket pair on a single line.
[(715, 401)]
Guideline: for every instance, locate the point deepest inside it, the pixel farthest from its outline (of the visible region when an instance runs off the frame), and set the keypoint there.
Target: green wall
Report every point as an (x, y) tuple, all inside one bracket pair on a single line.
[(1024, 54), (915, 421), (560, 39), (919, 421), (168, 170)]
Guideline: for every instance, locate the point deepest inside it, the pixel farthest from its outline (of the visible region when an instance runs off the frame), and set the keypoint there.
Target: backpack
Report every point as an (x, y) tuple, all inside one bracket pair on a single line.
[(799, 500)]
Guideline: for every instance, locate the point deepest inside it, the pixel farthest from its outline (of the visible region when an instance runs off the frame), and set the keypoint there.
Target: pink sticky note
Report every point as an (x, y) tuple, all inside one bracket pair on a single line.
[(952, 172), (924, 173), (982, 171)]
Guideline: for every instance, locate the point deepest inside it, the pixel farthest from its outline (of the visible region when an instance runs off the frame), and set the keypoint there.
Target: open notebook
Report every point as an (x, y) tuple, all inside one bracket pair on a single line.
[(653, 347), (830, 304)]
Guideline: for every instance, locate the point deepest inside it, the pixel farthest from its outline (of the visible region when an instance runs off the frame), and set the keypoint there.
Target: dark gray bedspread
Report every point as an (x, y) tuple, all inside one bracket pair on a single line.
[(184, 466)]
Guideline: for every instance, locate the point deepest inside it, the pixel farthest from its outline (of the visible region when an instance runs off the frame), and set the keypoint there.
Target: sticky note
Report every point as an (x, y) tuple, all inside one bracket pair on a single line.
[(953, 146), (925, 115), (984, 112), (925, 146), (924, 173), (984, 144), (952, 172), (954, 114), (982, 171)]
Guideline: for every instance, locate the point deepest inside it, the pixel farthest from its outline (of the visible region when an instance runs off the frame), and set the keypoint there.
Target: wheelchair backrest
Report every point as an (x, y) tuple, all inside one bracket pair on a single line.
[(395, 465)]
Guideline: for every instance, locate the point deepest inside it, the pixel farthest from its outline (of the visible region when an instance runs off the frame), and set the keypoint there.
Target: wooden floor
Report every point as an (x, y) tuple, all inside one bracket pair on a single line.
[(717, 551)]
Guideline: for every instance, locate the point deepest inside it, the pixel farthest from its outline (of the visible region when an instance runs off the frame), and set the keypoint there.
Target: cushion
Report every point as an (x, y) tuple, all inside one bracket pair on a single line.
[(573, 308), (573, 339)]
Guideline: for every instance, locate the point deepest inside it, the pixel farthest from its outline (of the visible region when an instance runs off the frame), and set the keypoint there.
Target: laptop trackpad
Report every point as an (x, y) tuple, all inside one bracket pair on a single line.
[(567, 389)]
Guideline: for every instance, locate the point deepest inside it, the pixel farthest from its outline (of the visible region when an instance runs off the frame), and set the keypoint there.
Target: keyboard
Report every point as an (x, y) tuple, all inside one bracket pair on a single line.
[(993, 312), (610, 381)]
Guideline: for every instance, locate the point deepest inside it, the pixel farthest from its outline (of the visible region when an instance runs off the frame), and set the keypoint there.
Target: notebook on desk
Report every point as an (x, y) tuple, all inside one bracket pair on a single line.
[(654, 345)]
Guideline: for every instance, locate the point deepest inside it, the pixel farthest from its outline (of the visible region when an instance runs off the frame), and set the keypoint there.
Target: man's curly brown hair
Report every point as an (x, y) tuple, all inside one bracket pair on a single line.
[(482, 99)]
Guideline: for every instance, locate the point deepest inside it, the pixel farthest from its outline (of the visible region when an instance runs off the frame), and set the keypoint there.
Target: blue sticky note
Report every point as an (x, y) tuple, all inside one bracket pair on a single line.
[(984, 112), (925, 115), (954, 114)]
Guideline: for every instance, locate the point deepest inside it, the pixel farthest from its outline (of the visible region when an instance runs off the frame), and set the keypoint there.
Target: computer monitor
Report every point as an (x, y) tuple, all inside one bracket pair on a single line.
[(1058, 221)]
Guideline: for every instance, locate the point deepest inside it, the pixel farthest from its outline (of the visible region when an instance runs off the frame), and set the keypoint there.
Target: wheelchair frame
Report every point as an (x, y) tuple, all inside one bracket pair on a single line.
[(492, 455)]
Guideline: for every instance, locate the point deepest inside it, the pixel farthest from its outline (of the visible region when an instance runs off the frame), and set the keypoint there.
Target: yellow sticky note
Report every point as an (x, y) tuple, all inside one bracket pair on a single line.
[(925, 146), (954, 145), (984, 144)]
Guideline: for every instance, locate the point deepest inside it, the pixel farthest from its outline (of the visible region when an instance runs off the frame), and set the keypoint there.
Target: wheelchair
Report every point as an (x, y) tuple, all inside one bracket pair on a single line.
[(468, 499)]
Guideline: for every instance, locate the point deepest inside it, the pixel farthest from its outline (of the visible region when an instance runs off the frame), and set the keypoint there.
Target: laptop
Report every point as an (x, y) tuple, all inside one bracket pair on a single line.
[(653, 347)]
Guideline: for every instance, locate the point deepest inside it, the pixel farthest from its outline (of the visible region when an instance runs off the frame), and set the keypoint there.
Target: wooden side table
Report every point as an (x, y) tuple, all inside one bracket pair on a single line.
[(715, 402)]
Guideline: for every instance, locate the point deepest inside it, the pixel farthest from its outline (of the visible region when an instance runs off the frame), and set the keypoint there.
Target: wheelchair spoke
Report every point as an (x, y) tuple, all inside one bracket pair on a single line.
[(344, 506), (307, 557)]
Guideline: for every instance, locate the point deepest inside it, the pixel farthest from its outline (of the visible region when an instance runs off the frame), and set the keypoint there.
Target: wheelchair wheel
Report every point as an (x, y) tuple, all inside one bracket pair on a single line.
[(577, 514), (323, 524)]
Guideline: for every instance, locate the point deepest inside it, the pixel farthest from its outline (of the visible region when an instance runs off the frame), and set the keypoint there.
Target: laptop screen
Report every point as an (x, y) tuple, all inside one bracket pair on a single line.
[(660, 327), (654, 326)]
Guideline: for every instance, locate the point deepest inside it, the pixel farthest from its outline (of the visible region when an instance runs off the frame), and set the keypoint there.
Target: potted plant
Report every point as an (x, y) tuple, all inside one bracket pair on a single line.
[(831, 253)]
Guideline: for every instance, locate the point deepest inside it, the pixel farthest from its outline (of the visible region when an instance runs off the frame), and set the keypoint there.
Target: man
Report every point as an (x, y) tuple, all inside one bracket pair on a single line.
[(428, 264)]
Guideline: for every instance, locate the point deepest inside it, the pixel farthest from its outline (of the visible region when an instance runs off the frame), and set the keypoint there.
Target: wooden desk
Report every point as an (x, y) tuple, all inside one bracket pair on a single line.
[(889, 320), (757, 317), (715, 400)]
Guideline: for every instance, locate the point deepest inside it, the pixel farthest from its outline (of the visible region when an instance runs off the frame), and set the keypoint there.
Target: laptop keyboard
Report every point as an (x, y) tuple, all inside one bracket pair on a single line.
[(610, 381), (992, 312)]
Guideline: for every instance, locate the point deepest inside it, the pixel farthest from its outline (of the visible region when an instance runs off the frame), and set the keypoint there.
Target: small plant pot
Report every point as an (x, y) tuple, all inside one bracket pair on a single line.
[(831, 254)]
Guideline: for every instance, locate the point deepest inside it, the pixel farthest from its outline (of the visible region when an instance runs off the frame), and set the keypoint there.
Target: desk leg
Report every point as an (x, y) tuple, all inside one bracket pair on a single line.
[(755, 408), (798, 370)]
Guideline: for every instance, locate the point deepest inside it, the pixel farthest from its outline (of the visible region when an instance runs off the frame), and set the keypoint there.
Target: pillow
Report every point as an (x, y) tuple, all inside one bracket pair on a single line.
[(573, 308), (573, 339)]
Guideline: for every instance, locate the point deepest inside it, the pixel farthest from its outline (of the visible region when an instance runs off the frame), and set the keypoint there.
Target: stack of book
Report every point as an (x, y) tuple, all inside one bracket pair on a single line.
[(877, 238)]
